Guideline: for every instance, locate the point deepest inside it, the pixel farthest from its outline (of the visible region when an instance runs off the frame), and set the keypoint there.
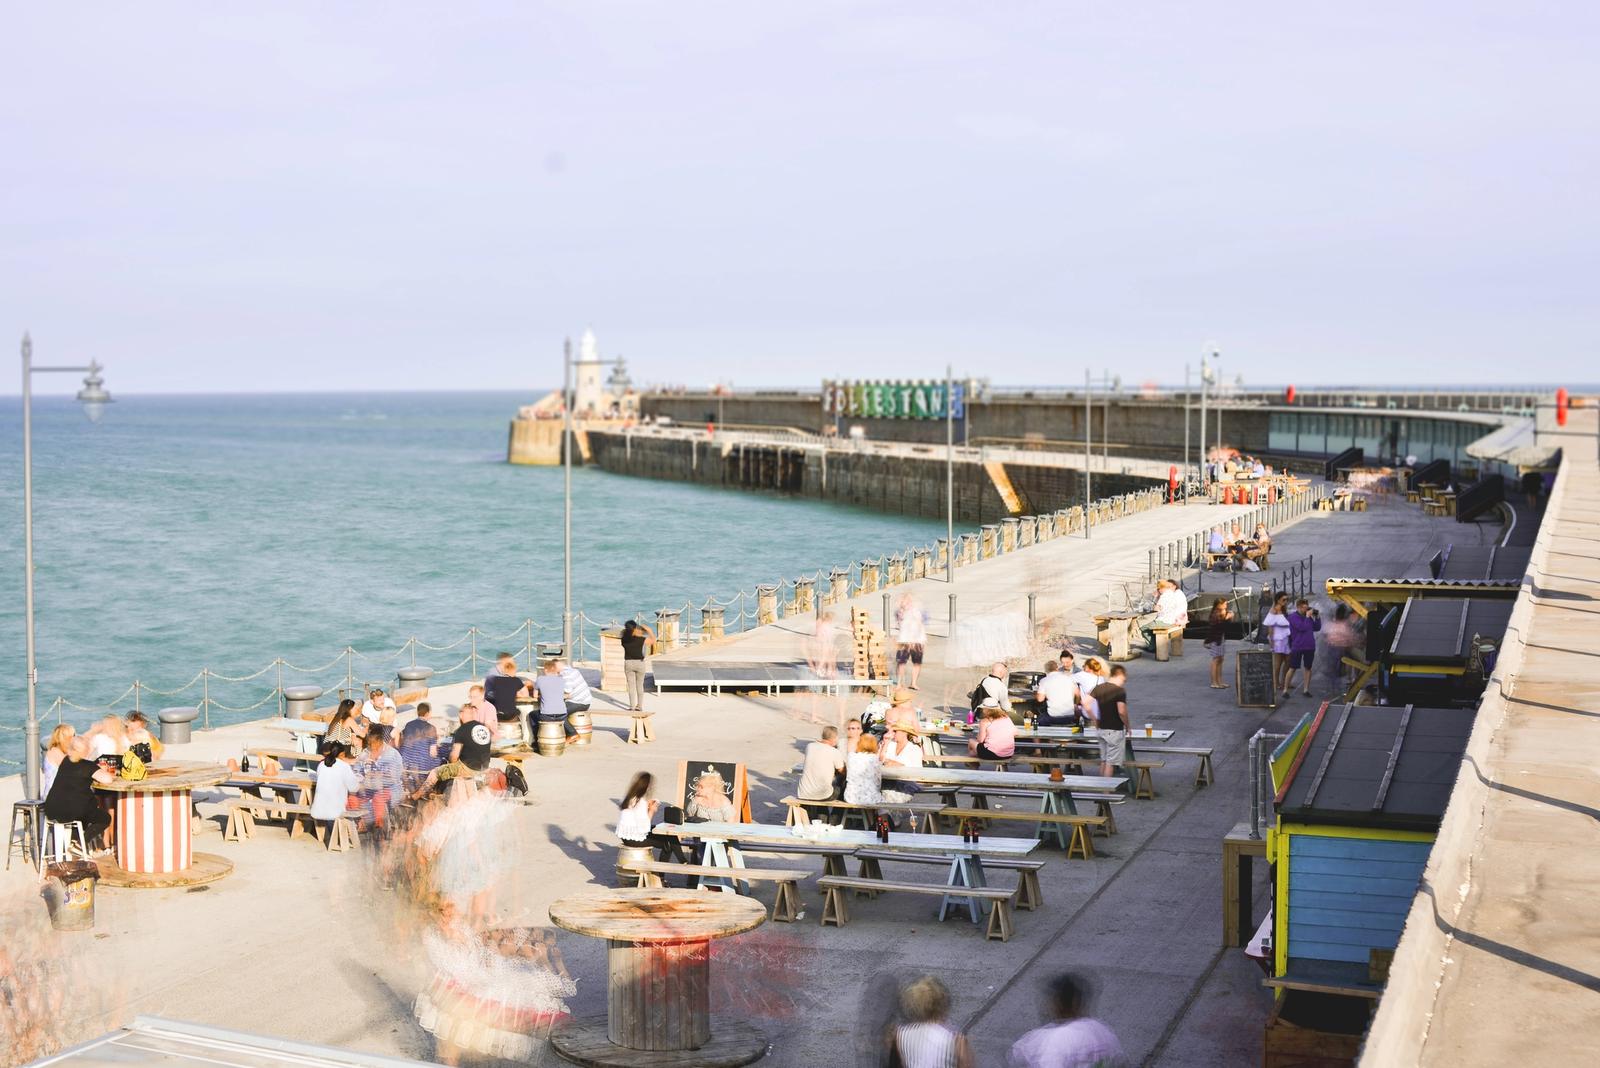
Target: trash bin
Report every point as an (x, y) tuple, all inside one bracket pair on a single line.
[(175, 724), (68, 893)]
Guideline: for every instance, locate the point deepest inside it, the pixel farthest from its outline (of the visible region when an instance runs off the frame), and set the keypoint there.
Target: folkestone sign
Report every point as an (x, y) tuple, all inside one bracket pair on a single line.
[(892, 400)]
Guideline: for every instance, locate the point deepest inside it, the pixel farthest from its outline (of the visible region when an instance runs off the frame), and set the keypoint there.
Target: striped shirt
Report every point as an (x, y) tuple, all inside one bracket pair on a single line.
[(577, 689), (926, 1045)]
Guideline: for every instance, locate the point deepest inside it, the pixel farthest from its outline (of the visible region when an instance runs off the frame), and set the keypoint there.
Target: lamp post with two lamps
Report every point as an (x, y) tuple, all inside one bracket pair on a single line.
[(94, 399), (567, 400)]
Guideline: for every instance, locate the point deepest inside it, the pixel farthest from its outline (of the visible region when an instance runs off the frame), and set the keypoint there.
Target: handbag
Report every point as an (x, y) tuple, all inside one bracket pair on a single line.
[(133, 768)]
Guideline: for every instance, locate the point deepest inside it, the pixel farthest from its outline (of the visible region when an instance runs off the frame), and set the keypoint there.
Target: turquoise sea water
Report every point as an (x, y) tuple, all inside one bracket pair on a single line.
[(227, 531)]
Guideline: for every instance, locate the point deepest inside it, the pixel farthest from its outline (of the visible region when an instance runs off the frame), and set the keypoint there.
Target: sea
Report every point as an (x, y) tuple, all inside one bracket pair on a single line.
[(229, 532)]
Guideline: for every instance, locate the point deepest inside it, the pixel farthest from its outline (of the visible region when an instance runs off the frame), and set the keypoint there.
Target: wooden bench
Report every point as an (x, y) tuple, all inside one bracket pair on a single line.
[(1080, 842), (833, 856), (1102, 801), (785, 907), (928, 809), (1168, 639), (1029, 894), (1203, 776), (836, 910), (1144, 786), (639, 730), (1102, 804), (243, 813), (1212, 559)]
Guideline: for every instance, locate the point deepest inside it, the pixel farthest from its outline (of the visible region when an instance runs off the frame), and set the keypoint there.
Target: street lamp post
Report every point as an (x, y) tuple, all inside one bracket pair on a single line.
[(566, 493), (950, 473), (94, 399)]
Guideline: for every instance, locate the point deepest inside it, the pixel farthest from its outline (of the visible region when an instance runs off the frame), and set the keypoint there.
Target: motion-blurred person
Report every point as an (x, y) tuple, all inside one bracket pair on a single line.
[(911, 634), (923, 1037), (1217, 639), (1071, 1039)]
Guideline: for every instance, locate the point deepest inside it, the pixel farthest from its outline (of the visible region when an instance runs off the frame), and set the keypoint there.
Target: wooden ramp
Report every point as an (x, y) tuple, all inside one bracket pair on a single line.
[(1002, 484)]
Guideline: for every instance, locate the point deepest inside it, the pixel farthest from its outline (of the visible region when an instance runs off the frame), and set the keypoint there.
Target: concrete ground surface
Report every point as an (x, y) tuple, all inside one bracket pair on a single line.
[(304, 943)]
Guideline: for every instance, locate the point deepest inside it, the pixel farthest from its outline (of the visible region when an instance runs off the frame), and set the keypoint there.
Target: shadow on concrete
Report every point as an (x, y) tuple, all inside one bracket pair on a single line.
[(1550, 707), (1510, 953), (598, 860), (1544, 799)]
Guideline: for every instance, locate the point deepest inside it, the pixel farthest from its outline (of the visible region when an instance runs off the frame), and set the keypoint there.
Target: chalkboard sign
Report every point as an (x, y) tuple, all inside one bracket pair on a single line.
[(723, 777), (1253, 678)]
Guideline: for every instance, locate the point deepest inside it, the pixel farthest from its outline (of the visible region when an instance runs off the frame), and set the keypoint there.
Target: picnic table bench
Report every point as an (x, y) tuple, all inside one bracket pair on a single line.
[(1029, 894), (836, 910), (785, 907), (243, 813), (1078, 843), (1203, 775), (1144, 784), (639, 730)]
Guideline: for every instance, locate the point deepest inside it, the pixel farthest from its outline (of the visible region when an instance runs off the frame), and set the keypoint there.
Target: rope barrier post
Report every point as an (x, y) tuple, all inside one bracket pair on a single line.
[(413, 643), (474, 655), (205, 696), (279, 662), (136, 695), (349, 669), (527, 655), (58, 710)]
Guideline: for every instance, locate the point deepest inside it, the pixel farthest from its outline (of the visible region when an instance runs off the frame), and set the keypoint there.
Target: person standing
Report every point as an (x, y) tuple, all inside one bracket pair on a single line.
[(822, 651), (419, 746), (1340, 637), (1111, 702), (638, 641), (1304, 623), (911, 634), (1071, 1039), (1276, 626), (1217, 638)]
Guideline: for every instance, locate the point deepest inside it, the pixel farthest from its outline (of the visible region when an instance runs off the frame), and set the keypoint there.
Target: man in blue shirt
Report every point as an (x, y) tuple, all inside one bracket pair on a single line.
[(552, 689)]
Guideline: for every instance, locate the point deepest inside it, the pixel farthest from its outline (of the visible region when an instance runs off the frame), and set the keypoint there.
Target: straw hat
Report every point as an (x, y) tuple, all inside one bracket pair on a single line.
[(902, 697)]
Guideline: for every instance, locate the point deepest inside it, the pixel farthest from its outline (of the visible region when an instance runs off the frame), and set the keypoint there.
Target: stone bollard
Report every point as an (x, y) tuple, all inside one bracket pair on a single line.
[(710, 621), (990, 544), (897, 570), (869, 576), (919, 562), (766, 605), (667, 623), (1008, 534), (176, 724), (838, 585), (805, 595), (969, 548), (300, 701), (1026, 527)]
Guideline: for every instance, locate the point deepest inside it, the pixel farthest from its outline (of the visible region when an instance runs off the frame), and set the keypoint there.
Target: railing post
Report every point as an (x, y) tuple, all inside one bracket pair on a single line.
[(205, 696), (473, 631), (281, 708), (136, 695), (58, 710), (952, 617), (349, 669), (527, 656)]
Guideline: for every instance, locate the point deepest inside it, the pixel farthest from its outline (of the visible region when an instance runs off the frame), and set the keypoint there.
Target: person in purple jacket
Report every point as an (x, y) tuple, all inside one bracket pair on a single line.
[(1304, 622)]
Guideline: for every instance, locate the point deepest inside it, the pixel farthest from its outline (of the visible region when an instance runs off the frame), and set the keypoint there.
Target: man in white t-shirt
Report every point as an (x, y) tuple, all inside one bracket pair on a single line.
[(379, 707), (1060, 696), (1172, 610), (911, 634), (995, 694), (824, 760)]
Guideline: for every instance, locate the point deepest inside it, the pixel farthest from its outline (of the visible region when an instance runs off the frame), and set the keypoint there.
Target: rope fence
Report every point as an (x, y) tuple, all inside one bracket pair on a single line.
[(352, 671)]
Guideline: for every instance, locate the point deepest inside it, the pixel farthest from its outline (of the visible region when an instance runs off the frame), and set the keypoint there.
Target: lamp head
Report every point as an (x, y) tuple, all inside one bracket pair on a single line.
[(93, 395)]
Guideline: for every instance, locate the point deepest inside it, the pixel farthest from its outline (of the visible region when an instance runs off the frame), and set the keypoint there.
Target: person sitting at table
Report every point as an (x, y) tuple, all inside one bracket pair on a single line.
[(72, 798), (853, 730), (502, 686), (638, 816), (55, 752), (345, 726), (1058, 695), (107, 738), (553, 689), (336, 783), (1092, 674), (1172, 610), (899, 750), (475, 709), (140, 741), (902, 709), (995, 694), (1257, 468), (824, 760), (708, 800), (379, 707), (1259, 545), (419, 746), (382, 774), (578, 695), (863, 774), (997, 737)]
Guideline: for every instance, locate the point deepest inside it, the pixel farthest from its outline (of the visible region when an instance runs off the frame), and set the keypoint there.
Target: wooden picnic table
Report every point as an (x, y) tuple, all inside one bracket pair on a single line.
[(966, 858), (284, 754), (1056, 794), (1117, 631), (307, 732), (153, 826), (305, 783), (659, 964)]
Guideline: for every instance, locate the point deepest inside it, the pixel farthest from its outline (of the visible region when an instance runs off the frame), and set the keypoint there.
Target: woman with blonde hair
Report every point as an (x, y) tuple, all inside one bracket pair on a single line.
[(54, 754), (924, 1038), (1092, 674)]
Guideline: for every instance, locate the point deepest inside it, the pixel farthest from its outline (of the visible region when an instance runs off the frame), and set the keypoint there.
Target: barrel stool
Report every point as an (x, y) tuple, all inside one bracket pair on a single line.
[(551, 737)]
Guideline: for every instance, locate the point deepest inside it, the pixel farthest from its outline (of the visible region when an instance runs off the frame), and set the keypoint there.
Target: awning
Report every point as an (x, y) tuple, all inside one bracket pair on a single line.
[(1514, 444)]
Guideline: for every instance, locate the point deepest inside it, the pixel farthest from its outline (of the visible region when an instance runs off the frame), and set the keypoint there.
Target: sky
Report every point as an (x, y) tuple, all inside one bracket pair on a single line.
[(298, 196)]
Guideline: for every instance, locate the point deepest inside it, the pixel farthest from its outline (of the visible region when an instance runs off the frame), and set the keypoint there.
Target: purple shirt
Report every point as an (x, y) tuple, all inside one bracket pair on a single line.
[(1303, 633)]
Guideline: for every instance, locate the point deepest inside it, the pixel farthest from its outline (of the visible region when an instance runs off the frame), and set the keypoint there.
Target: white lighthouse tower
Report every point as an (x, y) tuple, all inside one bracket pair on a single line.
[(588, 394)]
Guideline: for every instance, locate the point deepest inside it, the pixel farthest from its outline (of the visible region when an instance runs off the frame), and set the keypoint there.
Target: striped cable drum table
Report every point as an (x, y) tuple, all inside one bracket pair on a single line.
[(153, 829)]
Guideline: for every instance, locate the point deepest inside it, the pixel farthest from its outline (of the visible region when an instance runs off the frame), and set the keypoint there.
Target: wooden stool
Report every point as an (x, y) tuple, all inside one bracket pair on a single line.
[(31, 812)]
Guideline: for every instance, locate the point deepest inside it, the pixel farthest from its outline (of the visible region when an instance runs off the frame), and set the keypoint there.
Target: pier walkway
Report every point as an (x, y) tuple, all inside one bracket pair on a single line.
[(306, 944)]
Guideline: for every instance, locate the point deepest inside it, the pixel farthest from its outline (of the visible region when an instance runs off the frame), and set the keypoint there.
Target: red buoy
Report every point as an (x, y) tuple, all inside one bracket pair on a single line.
[(1561, 406), (1288, 395)]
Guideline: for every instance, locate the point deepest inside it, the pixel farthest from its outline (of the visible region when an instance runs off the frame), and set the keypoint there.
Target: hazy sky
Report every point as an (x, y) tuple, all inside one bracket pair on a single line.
[(386, 195)]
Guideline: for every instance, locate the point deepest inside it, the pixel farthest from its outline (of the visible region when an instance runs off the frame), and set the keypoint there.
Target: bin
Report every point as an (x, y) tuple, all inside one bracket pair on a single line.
[(68, 893)]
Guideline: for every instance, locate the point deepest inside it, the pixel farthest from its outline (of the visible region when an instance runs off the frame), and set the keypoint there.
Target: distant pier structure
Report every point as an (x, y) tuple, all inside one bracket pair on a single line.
[(600, 401)]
